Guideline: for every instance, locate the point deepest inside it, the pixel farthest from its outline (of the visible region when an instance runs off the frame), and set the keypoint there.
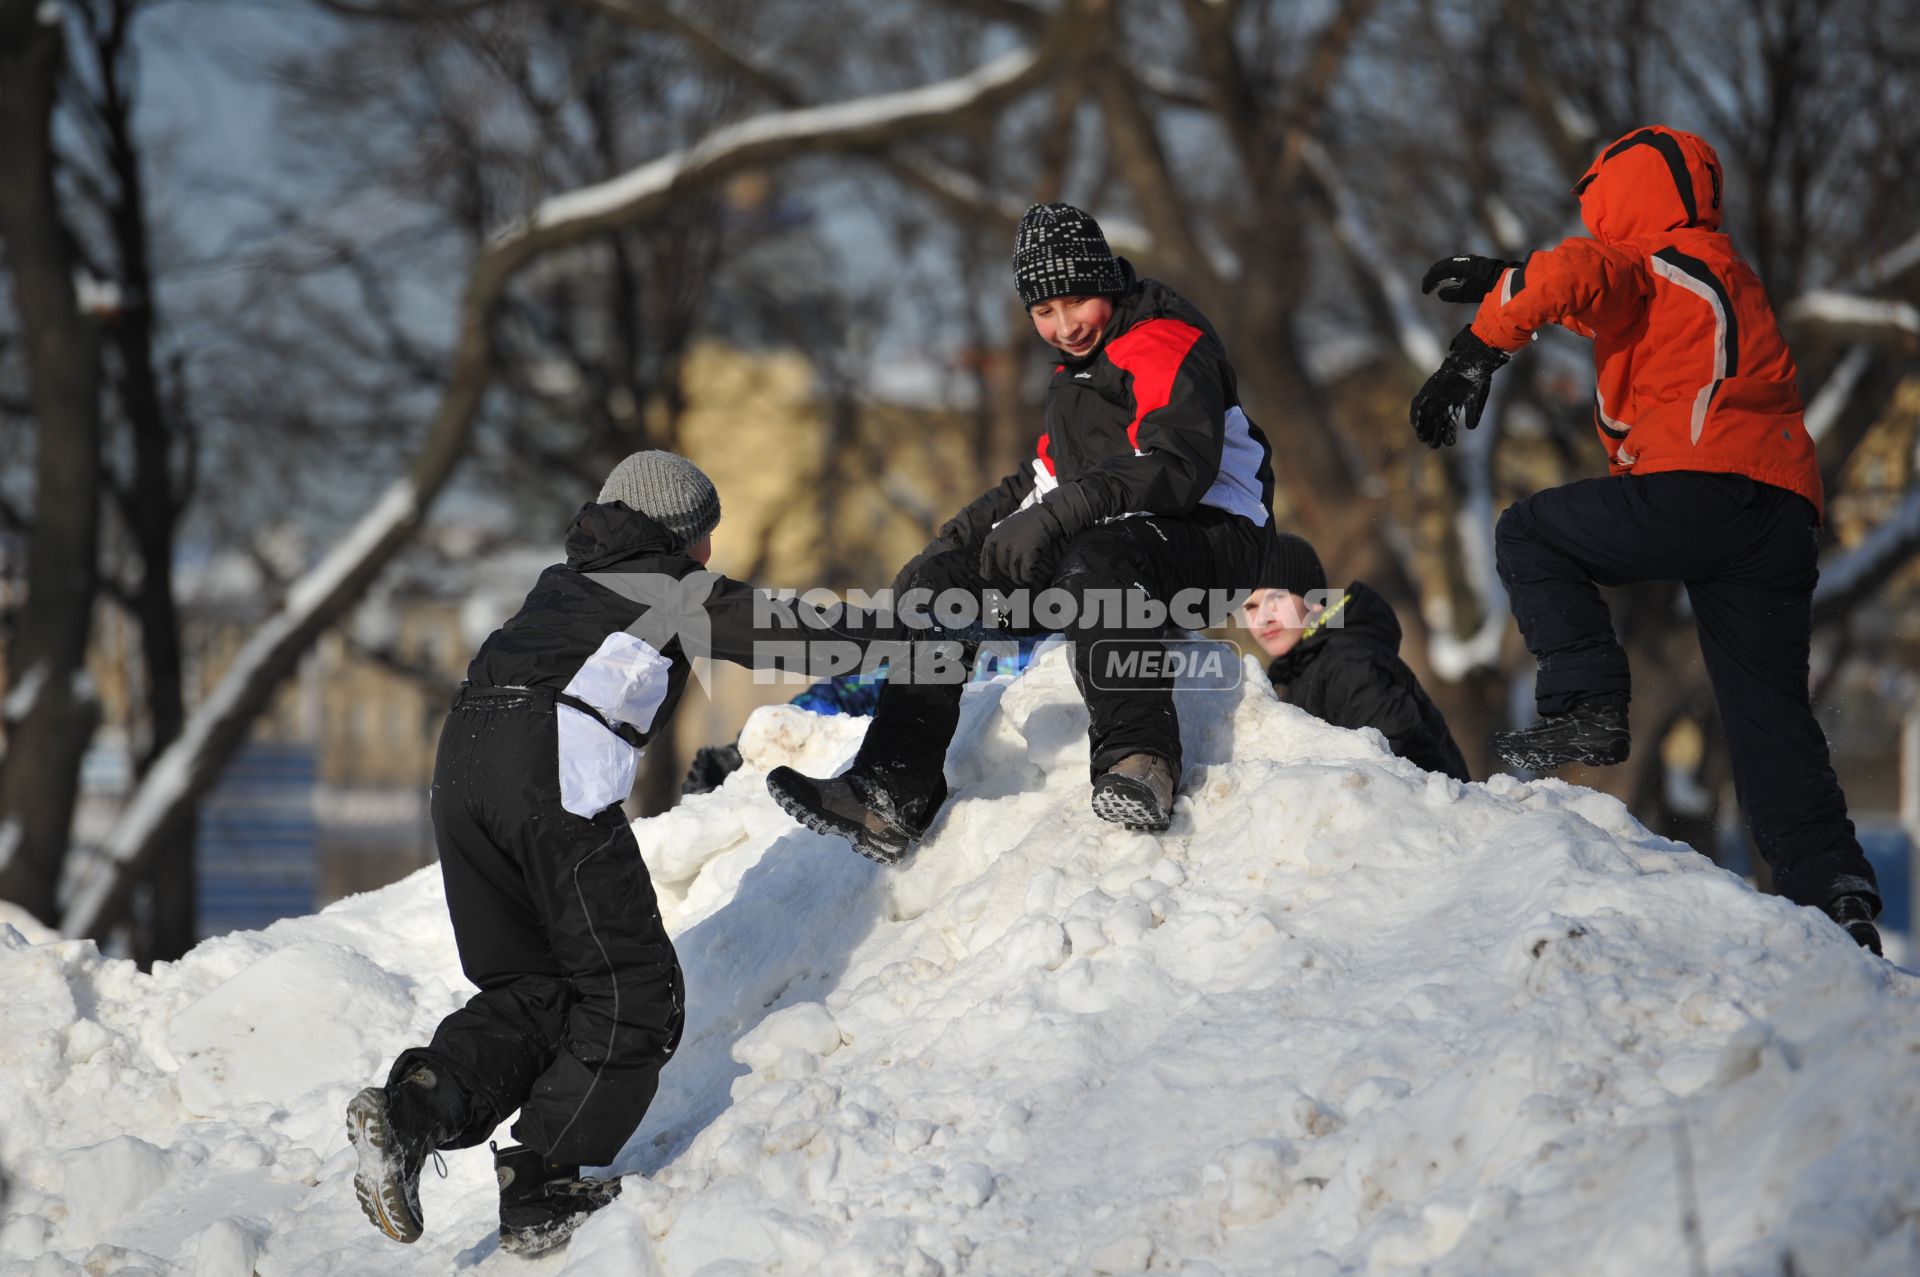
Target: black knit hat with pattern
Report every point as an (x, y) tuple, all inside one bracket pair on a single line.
[(1059, 251), (1291, 565)]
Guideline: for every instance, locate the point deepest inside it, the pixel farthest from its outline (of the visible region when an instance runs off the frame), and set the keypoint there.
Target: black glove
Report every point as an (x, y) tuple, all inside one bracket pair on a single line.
[(1463, 279), (1026, 547), (1457, 392), (712, 764), (924, 570), (976, 519)]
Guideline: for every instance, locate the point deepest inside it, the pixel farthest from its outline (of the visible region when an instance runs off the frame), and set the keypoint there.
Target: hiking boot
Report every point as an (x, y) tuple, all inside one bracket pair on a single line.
[(1137, 792), (542, 1202), (850, 806), (392, 1130), (1855, 915), (1588, 733)]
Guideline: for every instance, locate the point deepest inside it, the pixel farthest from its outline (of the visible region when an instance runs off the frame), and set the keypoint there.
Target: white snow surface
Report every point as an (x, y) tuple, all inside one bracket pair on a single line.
[(1344, 1017)]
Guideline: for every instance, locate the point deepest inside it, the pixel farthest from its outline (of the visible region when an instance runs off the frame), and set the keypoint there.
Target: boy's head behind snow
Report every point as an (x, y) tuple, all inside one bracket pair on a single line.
[(670, 490), (1651, 181), (1279, 612)]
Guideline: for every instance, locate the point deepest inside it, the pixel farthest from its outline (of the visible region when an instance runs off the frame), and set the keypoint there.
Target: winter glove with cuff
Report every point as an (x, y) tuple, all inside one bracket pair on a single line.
[(1464, 279), (1026, 547), (975, 520), (1457, 393)]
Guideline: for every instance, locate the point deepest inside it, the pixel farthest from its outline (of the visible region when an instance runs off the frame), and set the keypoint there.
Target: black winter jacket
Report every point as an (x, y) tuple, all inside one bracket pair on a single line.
[(1149, 421), (1350, 674), (613, 630)]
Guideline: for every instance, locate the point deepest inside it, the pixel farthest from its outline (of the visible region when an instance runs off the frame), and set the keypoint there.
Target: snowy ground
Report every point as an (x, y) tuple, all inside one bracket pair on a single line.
[(1345, 1017)]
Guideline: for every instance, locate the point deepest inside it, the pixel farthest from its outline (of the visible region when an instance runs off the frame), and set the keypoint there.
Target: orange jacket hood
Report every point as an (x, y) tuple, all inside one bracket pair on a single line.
[(1650, 182)]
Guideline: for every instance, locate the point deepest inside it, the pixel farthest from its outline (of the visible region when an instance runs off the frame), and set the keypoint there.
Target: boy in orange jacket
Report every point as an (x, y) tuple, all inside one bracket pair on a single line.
[(1715, 484)]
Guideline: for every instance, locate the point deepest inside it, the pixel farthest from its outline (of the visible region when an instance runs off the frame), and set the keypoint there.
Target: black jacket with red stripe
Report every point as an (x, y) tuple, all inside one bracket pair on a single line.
[(1148, 422)]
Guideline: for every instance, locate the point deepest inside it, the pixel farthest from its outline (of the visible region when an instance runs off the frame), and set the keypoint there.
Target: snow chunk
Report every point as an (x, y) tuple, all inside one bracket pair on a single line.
[(225, 1248), (105, 1181), (256, 1037), (808, 1027)]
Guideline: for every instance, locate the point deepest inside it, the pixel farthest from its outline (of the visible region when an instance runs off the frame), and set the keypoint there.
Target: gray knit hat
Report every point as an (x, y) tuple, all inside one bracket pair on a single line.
[(1060, 251), (670, 490)]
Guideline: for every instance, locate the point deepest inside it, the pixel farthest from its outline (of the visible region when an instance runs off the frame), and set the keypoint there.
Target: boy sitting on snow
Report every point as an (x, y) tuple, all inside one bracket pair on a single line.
[(1715, 484), (580, 1000), (1339, 660), (1149, 482)]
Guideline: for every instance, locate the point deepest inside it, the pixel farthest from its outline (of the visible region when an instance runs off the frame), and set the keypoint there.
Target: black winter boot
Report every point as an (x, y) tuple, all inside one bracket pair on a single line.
[(1137, 792), (394, 1129), (542, 1202), (1855, 915), (853, 806), (1587, 733)]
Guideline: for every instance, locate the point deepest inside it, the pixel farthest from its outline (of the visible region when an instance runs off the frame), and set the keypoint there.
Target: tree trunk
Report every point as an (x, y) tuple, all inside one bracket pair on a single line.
[(152, 506), (55, 712)]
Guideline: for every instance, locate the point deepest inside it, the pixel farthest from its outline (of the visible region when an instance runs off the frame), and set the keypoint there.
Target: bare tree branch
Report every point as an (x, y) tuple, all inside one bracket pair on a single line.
[(409, 10)]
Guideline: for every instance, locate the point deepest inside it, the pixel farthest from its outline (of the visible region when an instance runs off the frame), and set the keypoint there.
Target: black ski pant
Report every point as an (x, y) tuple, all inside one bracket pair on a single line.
[(581, 998), (1129, 705), (1746, 553)]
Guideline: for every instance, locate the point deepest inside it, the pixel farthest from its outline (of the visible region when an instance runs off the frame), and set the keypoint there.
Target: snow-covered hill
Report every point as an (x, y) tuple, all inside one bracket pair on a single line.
[(1345, 1017)]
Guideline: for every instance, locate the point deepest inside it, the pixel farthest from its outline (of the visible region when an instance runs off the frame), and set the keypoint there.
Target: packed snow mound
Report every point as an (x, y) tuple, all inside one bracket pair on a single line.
[(1345, 1016)]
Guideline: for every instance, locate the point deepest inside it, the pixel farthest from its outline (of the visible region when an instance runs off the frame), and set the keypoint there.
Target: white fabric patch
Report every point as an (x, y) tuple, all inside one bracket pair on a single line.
[(596, 767), (1237, 488), (626, 680)]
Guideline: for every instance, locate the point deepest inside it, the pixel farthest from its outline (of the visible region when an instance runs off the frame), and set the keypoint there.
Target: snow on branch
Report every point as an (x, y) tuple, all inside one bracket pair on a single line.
[(1865, 317), (943, 182), (189, 764), (1892, 266), (1837, 391), (865, 122), (1847, 579)]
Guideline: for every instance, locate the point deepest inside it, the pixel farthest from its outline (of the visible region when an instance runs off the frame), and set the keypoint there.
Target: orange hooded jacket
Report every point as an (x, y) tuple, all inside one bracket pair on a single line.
[(1691, 370)]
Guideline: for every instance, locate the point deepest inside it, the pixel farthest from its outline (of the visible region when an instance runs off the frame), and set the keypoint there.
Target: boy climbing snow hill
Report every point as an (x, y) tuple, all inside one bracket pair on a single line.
[(1148, 481), (580, 995), (1339, 660), (1715, 485)]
